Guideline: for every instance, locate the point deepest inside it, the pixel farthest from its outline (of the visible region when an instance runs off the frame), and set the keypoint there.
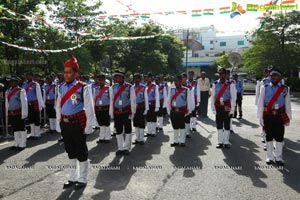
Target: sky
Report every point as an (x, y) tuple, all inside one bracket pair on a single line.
[(222, 22)]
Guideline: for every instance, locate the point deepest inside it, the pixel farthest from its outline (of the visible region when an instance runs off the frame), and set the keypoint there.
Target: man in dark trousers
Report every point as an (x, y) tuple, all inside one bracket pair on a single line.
[(49, 99), (75, 115), (35, 105), (274, 112), (223, 97), (17, 111), (154, 104), (179, 104), (239, 85), (142, 107), (102, 100), (204, 86), (122, 109)]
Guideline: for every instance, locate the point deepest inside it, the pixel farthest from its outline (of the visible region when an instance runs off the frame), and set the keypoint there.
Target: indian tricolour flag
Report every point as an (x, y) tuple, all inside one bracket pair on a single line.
[(224, 10), (182, 12), (196, 13), (208, 11)]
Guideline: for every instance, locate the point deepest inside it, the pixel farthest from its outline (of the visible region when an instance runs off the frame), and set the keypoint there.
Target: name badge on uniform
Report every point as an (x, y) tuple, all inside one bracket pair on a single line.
[(276, 106), (120, 103), (73, 99), (174, 103), (222, 101), (100, 102)]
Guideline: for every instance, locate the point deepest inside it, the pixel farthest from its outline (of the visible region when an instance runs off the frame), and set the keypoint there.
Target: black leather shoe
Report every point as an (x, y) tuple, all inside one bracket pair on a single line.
[(69, 184), (99, 141), (126, 152), (280, 163), (136, 142), (219, 146), (36, 137), (13, 148), (194, 129), (227, 146), (188, 136), (142, 143), (231, 131), (106, 141), (119, 152), (20, 148), (270, 162), (174, 144), (60, 139), (79, 185), (148, 135), (160, 129), (30, 138), (182, 144), (153, 135)]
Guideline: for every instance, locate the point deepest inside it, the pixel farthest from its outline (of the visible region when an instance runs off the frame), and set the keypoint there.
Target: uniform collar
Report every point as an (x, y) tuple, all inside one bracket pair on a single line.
[(275, 85), (219, 81), (72, 83)]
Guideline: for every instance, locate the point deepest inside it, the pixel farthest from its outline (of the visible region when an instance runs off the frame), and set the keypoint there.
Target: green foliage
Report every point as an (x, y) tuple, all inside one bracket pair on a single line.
[(277, 44), (157, 54), (223, 61)]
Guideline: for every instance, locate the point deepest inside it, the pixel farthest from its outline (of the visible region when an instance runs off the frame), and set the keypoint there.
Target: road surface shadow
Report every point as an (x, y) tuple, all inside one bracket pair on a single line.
[(243, 121), (116, 180), (291, 172), (45, 154), (189, 156), (6, 153), (242, 153), (70, 194), (207, 121), (101, 150)]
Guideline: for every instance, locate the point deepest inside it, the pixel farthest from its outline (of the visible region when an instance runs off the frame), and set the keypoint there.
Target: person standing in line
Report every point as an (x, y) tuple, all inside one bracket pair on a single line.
[(102, 101), (223, 99), (49, 99), (122, 109), (193, 85), (75, 118), (35, 105), (239, 85), (153, 99), (17, 111), (142, 107), (162, 101), (274, 111), (179, 105), (204, 86)]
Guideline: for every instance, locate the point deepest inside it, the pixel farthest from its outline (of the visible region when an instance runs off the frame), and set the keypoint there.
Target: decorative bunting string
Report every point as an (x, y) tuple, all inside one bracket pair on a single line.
[(80, 45)]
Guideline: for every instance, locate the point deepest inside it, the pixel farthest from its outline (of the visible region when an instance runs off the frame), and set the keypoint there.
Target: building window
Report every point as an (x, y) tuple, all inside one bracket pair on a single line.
[(211, 48), (222, 44), (211, 42), (203, 47), (196, 55), (240, 43)]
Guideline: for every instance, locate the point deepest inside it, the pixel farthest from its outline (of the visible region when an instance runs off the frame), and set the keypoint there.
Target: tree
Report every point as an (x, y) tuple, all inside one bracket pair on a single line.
[(276, 44), (223, 61)]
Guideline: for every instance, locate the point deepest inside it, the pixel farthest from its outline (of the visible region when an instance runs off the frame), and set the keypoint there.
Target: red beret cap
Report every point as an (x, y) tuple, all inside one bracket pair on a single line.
[(72, 62)]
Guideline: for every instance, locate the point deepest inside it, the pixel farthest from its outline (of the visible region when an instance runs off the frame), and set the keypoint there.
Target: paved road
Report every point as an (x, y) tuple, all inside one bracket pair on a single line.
[(158, 171)]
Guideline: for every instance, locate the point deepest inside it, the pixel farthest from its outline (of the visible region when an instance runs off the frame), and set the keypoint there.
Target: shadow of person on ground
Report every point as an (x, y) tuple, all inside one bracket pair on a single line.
[(291, 172), (242, 153), (189, 156), (116, 180)]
